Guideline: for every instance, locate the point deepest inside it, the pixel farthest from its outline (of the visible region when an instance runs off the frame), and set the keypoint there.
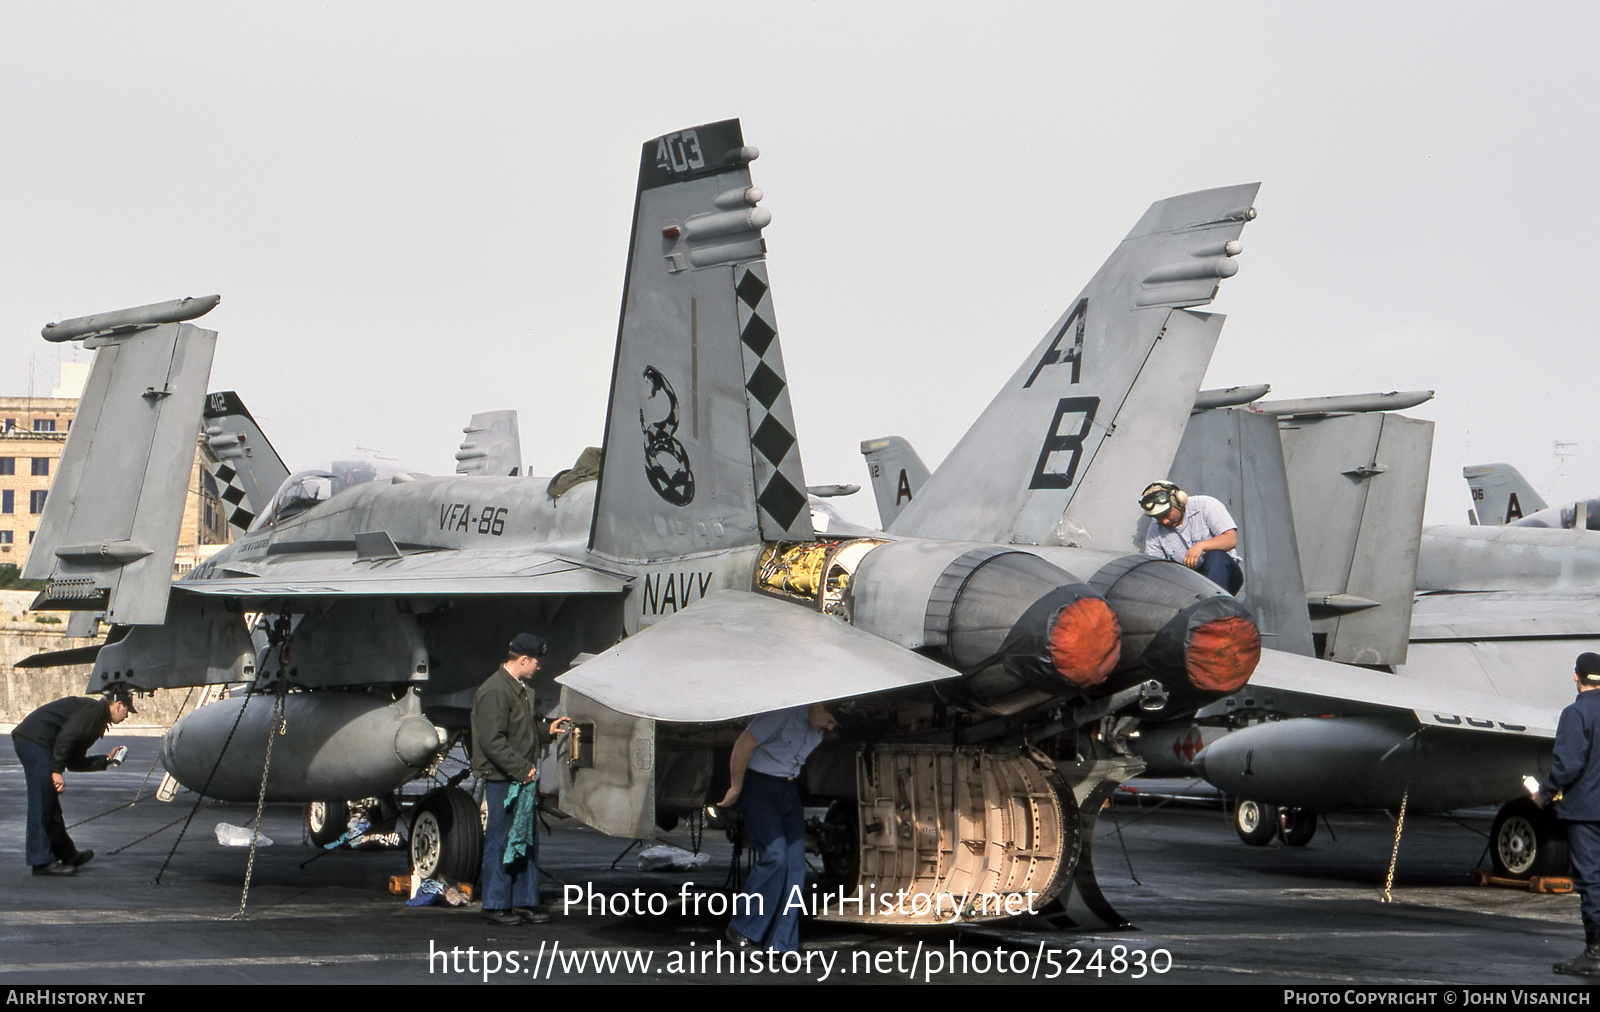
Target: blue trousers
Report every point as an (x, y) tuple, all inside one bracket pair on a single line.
[(1583, 847), (775, 827), (1220, 568), (506, 885), (46, 838)]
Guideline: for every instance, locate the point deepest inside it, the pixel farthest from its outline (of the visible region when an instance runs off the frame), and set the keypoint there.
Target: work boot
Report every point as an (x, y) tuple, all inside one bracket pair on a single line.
[(1587, 964), (81, 858), (55, 868), (504, 918)]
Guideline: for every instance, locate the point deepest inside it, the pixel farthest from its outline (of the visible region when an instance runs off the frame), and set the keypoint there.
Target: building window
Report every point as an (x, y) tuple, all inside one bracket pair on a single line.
[(8, 465), (30, 536), (44, 425), (8, 501), (41, 467), (11, 425), (36, 503), (5, 537)]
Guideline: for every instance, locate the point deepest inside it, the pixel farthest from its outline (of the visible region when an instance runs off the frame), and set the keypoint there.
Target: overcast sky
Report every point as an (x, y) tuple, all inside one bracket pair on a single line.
[(415, 211)]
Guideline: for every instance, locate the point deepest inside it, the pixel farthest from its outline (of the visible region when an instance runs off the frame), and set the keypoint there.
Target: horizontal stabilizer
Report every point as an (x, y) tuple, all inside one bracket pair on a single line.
[(62, 658), (736, 653)]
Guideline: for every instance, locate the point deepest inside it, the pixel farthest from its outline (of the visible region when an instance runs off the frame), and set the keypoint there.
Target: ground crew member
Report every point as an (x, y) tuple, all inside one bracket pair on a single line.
[(50, 741), (1195, 530), (1574, 788)]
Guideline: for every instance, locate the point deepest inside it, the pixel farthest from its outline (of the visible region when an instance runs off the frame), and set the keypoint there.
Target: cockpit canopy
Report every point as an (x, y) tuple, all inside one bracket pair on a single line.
[(305, 489), (1565, 517)]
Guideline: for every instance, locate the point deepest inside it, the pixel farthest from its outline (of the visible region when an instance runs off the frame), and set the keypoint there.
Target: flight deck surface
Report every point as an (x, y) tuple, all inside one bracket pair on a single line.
[(1221, 912)]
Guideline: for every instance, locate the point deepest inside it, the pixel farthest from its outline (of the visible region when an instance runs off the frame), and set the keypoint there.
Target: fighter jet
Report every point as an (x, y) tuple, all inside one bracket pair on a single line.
[(1462, 638), (972, 667)]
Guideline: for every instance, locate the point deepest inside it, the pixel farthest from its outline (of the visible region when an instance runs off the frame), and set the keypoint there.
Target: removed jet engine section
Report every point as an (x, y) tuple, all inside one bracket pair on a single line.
[(1179, 628), (332, 744), (1333, 763), (955, 836)]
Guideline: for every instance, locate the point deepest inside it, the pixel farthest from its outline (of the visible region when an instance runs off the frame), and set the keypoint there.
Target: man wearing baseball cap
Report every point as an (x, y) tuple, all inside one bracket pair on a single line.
[(50, 741), (1574, 788), (506, 741)]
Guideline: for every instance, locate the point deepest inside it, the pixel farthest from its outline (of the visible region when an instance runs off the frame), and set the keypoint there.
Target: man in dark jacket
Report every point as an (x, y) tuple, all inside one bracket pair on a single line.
[(1574, 786), (50, 741), (506, 741)]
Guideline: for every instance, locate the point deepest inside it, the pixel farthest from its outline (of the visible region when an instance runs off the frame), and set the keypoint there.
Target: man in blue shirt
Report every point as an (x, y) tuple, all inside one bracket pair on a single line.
[(1195, 530), (762, 780), (1574, 787)]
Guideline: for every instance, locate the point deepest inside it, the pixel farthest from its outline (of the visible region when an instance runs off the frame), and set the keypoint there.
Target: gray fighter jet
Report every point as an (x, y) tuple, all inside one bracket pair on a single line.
[(686, 586), (1463, 637)]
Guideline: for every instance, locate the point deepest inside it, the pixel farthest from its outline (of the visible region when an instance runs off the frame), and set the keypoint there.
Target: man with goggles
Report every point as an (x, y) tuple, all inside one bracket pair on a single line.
[(1195, 530)]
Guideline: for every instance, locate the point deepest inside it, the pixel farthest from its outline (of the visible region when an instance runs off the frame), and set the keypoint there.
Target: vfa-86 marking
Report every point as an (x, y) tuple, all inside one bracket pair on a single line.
[(1077, 412), (460, 516)]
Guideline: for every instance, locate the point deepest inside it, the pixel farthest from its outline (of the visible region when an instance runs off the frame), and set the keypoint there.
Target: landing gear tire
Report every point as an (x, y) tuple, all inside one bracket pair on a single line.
[(447, 836), (326, 821), (1255, 823), (838, 841), (1527, 841), (1297, 826)]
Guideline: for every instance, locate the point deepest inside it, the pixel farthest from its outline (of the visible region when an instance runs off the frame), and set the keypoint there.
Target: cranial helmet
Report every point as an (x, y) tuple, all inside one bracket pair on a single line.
[(1160, 496)]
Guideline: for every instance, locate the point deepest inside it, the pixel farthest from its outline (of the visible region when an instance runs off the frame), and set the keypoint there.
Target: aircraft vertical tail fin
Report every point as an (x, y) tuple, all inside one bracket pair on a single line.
[(1500, 494), (109, 533), (1358, 483), (700, 449), (897, 473), (1039, 466), (240, 458), (493, 445)]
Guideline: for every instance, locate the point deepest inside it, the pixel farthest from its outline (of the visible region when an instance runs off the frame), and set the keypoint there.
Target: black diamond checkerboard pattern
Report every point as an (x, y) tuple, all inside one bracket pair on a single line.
[(233, 494), (776, 460)]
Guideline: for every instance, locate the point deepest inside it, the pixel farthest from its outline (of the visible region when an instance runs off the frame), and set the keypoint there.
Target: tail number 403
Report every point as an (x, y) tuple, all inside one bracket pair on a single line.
[(680, 152)]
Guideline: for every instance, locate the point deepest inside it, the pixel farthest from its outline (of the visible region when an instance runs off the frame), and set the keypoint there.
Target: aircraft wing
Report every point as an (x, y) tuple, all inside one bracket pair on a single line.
[(1434, 704), (1505, 615), (737, 653), (420, 574)]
